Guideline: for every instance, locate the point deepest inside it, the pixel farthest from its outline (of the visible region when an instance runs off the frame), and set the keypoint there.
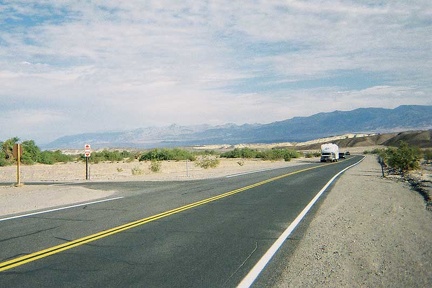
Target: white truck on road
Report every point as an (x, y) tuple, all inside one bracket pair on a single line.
[(329, 152)]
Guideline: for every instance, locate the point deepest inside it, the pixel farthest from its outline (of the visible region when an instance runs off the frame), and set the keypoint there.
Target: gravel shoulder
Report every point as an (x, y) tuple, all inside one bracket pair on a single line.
[(369, 232), (28, 198)]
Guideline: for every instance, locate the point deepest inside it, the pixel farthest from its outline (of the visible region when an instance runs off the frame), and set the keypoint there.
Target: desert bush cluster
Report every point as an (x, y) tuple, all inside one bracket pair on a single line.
[(270, 154), (109, 156), (403, 158), (175, 154), (401, 161), (312, 154), (205, 159), (31, 154)]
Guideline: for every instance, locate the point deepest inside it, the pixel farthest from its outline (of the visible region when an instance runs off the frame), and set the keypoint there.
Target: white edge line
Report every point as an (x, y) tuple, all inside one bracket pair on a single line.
[(265, 259), (61, 208)]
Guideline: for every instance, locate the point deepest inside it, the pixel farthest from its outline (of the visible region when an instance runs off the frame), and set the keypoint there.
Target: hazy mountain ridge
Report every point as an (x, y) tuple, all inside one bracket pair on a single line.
[(418, 138), (297, 129)]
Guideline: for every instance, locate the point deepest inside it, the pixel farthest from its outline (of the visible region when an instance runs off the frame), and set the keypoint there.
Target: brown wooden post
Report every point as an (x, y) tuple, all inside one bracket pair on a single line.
[(17, 152)]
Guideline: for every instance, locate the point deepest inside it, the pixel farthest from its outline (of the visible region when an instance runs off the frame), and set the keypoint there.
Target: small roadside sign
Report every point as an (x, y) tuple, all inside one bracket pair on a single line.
[(87, 150), (87, 153)]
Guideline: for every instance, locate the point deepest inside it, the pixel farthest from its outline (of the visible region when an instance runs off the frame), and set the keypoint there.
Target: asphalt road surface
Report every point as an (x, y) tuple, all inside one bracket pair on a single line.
[(204, 233)]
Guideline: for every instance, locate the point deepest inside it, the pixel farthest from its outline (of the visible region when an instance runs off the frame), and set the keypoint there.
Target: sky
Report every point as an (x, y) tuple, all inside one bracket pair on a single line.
[(70, 67)]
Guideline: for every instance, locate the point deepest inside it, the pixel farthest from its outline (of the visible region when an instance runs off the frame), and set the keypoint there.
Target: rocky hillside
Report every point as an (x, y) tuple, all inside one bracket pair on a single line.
[(421, 139)]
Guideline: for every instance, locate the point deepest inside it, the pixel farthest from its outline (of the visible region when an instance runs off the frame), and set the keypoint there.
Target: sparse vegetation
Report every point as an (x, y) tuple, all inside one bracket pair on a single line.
[(31, 154), (207, 161), (106, 155), (401, 159), (374, 151), (49, 157), (137, 171), (7, 147), (240, 153), (312, 154), (175, 154), (270, 154), (155, 166)]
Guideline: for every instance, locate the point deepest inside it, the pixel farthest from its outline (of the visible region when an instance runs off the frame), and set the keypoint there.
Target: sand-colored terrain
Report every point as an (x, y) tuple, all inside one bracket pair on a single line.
[(137, 171), (369, 231), (43, 185)]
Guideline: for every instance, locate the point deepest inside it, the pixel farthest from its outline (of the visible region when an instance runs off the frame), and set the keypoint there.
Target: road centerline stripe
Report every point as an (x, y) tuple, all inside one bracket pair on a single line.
[(15, 262)]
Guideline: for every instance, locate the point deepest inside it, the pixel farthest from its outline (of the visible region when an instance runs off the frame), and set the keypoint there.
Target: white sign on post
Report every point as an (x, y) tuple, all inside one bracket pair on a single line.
[(87, 151)]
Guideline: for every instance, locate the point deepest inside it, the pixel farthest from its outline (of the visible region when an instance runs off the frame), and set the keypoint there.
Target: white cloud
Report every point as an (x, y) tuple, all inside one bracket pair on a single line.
[(127, 64), (31, 123)]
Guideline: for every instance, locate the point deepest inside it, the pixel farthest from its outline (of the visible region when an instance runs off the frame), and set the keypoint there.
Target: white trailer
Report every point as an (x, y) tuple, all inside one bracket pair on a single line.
[(329, 152)]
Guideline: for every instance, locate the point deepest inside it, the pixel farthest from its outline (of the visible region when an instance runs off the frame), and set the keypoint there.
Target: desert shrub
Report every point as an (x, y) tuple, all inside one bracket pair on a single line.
[(46, 157), (308, 155), (155, 166), (278, 154), (207, 162), (403, 158), (6, 148), (270, 154), (210, 152), (3, 161), (175, 154), (106, 155), (240, 153), (312, 154), (290, 154), (52, 157), (375, 151), (132, 157), (136, 171), (60, 157), (31, 152)]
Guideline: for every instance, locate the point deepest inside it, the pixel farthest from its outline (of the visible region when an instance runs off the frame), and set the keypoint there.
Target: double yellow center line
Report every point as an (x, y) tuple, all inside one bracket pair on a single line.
[(81, 241)]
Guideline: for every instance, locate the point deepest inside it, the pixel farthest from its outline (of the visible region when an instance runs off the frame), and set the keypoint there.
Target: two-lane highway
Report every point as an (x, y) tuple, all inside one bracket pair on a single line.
[(207, 233)]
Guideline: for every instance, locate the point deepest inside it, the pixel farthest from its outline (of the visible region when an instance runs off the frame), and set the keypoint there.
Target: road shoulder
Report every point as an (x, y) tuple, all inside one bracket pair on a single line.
[(32, 197), (369, 231)]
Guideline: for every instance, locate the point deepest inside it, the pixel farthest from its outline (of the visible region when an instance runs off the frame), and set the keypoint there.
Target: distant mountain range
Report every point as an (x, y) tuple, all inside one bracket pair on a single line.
[(297, 129)]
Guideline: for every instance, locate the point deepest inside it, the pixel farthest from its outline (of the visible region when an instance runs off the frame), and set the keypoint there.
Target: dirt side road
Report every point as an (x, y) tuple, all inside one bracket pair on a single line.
[(369, 232)]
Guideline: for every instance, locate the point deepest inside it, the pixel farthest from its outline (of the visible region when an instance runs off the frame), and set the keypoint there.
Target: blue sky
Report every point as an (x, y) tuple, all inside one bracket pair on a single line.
[(70, 67)]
